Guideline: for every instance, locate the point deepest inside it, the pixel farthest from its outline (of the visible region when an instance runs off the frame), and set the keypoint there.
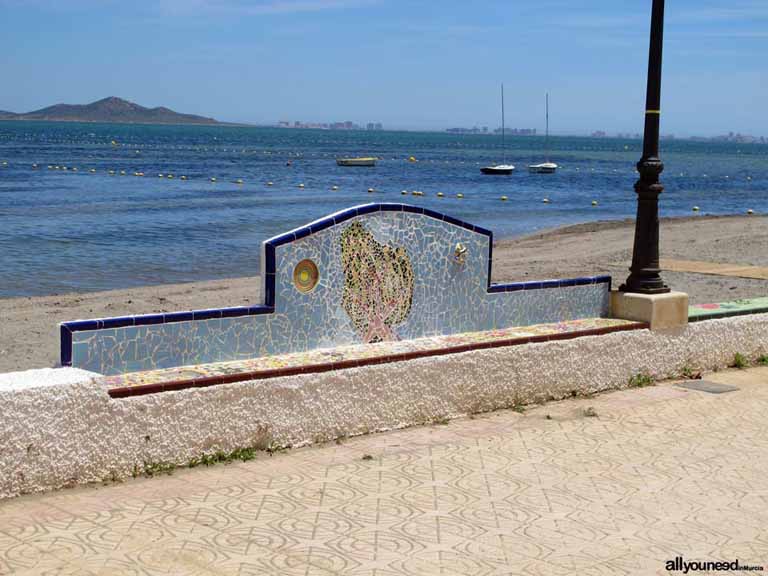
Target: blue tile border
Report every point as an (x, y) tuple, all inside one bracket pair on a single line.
[(268, 280)]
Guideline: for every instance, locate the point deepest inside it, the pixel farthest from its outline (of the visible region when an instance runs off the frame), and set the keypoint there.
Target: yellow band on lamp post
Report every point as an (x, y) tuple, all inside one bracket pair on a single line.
[(653, 111)]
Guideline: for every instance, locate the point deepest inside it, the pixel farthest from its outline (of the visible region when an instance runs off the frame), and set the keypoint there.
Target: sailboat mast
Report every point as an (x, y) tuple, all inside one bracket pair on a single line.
[(546, 131), (503, 147)]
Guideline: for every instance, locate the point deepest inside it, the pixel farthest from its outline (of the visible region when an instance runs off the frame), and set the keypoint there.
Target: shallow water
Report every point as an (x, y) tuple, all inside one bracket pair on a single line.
[(63, 231)]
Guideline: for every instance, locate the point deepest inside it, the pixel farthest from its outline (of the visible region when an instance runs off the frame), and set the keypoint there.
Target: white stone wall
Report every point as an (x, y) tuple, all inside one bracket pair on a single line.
[(71, 432)]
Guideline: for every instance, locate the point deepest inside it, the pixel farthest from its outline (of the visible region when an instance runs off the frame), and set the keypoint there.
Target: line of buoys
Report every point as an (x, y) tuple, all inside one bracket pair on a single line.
[(417, 193)]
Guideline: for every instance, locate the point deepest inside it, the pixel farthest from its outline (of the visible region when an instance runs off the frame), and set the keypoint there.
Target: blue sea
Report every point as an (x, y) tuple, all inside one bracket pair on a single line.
[(76, 231)]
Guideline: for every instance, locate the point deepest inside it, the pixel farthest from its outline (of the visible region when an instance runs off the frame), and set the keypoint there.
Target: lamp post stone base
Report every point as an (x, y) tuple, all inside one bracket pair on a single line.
[(660, 311)]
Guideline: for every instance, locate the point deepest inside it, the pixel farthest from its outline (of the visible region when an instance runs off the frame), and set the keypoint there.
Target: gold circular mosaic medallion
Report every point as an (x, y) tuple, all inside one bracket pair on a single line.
[(305, 276)]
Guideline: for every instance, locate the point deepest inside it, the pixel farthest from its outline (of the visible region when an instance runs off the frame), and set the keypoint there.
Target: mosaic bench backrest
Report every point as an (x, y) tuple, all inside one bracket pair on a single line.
[(370, 273)]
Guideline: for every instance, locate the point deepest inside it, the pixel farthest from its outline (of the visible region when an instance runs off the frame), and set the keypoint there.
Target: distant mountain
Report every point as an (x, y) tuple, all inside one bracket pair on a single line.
[(110, 109)]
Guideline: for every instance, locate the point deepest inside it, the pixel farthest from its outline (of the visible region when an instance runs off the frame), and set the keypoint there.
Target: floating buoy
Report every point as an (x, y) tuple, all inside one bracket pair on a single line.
[(403, 192), (440, 194), (183, 177), (594, 202), (750, 211), (411, 159), (504, 198), (269, 183), (417, 193), (50, 167), (371, 190), (459, 195), (92, 170), (169, 176), (114, 143), (545, 200), (64, 168), (239, 181), (695, 208), (122, 172), (749, 177), (34, 166), (161, 175), (332, 187), (112, 172), (301, 185), (288, 163), (213, 179), (74, 169)]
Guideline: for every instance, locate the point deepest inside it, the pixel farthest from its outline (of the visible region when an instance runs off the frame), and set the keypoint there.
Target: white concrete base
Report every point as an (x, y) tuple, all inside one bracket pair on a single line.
[(55, 436), (661, 311)]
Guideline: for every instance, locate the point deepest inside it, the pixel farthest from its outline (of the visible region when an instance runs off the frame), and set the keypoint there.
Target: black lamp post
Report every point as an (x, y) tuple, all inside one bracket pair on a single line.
[(644, 274)]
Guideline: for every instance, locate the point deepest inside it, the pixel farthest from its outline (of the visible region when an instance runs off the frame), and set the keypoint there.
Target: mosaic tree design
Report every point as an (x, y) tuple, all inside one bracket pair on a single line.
[(378, 284)]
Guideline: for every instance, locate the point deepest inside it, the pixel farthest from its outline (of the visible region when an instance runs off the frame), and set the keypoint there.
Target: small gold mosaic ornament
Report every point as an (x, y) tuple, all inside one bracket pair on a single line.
[(305, 276), (460, 253)]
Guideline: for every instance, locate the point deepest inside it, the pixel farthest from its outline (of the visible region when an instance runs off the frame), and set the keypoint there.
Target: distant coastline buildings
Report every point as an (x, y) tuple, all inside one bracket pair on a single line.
[(484, 130), (346, 125)]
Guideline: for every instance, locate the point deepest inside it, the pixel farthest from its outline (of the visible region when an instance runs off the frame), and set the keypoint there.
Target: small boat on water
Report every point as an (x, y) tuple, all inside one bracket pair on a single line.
[(502, 169), (543, 168), (356, 161), (546, 167)]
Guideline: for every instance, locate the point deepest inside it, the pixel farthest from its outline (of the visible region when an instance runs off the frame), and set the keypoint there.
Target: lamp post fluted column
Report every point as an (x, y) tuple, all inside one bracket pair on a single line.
[(645, 277)]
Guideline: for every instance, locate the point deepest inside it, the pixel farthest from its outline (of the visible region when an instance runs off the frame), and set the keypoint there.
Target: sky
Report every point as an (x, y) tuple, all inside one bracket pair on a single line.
[(416, 64)]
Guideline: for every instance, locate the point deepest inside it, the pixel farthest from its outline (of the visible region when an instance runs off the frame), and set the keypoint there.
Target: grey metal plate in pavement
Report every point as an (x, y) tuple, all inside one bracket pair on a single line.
[(707, 386)]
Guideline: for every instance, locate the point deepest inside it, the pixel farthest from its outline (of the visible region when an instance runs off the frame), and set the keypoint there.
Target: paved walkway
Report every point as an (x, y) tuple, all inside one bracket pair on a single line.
[(716, 268), (658, 472)]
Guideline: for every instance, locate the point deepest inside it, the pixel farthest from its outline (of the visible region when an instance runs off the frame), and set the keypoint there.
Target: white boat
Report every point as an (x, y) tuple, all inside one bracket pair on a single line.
[(545, 167), (369, 161), (502, 169)]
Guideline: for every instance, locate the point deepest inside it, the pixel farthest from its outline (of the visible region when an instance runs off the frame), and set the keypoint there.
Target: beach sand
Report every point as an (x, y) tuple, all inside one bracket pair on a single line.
[(29, 336)]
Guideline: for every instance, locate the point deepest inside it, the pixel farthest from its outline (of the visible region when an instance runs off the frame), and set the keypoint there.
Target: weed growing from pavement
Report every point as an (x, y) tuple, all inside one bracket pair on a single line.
[(739, 361), (641, 380)]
